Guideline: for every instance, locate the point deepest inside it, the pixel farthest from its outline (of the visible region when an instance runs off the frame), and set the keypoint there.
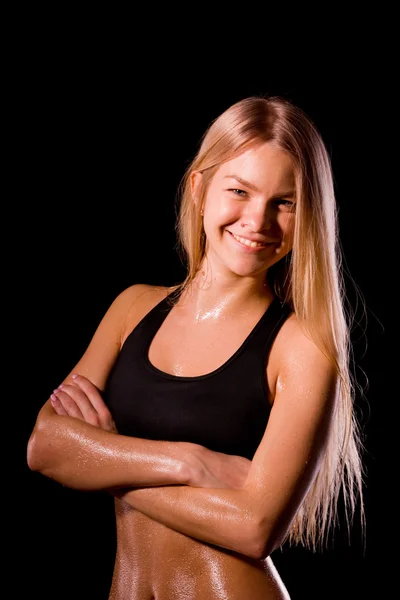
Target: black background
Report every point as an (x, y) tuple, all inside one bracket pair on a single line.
[(101, 132)]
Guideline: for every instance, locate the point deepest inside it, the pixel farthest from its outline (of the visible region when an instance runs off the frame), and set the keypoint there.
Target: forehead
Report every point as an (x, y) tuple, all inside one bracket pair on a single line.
[(263, 165)]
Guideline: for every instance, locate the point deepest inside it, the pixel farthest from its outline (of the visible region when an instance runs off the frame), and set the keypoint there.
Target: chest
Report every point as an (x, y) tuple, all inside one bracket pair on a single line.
[(200, 382), (187, 348)]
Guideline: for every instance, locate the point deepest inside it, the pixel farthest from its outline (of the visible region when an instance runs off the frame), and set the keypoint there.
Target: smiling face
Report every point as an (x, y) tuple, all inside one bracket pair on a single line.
[(249, 211)]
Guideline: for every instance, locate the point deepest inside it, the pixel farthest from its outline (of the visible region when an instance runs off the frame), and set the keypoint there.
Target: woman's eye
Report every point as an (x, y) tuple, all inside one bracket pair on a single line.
[(238, 192), (285, 203)]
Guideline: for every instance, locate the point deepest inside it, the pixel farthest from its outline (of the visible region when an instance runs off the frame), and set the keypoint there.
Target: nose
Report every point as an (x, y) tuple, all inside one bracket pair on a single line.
[(257, 218)]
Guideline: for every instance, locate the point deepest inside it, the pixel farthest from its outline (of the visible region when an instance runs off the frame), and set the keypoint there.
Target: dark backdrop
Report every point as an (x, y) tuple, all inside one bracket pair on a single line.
[(99, 148)]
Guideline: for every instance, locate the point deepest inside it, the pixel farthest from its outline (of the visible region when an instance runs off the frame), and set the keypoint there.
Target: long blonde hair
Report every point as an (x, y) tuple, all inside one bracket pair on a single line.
[(310, 279)]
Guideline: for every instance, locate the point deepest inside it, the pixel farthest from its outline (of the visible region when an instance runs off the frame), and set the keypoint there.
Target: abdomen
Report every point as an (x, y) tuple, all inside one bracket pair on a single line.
[(154, 562)]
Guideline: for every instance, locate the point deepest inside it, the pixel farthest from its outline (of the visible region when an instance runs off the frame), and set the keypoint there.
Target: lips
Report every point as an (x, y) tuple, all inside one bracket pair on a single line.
[(247, 242), (249, 246), (250, 243)]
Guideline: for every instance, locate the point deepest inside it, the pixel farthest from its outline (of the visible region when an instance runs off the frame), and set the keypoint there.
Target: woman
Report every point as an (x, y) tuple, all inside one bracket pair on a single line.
[(219, 412)]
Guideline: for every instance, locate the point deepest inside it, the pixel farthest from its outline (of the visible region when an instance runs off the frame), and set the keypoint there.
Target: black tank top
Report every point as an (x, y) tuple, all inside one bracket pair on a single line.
[(226, 410)]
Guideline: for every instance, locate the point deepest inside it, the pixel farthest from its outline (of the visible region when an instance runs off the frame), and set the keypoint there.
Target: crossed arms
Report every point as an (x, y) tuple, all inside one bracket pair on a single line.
[(245, 506)]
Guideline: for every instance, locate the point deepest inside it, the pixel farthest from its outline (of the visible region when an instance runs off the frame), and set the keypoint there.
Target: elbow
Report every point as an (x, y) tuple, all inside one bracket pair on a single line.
[(263, 547), (33, 454), (254, 536), (259, 547), (255, 543), (265, 540), (39, 447)]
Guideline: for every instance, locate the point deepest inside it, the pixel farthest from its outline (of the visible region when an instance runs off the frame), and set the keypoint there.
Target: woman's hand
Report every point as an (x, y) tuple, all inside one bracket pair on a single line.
[(216, 469), (82, 400), (208, 469)]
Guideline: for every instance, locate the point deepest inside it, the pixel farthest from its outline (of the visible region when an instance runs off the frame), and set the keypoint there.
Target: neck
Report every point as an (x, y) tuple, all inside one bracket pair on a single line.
[(216, 297)]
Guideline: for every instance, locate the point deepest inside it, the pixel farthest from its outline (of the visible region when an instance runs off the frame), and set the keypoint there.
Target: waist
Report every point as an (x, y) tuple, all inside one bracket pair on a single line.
[(154, 557)]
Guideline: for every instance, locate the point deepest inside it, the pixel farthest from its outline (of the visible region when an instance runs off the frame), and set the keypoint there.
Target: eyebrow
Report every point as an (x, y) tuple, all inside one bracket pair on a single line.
[(288, 194)]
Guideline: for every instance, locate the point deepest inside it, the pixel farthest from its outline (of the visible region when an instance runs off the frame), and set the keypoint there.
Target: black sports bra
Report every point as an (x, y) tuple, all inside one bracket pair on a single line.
[(226, 410)]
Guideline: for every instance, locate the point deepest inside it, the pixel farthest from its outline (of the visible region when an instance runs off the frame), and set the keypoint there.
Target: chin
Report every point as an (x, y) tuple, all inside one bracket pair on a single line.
[(246, 271)]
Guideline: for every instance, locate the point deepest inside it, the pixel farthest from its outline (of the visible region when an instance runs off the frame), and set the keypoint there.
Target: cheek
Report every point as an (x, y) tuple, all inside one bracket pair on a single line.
[(228, 213), (222, 212)]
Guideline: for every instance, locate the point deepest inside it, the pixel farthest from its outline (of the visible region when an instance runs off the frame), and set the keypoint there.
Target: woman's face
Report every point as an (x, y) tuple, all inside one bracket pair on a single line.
[(249, 211)]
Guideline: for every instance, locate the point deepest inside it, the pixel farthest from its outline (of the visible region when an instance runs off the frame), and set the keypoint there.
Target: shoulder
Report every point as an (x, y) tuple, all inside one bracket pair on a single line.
[(296, 358), (126, 310), (293, 343), (134, 302), (139, 292)]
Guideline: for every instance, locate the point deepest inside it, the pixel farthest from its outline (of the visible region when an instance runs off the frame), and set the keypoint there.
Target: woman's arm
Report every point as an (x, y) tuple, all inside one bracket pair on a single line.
[(255, 519), (83, 456), (79, 454), (113, 461)]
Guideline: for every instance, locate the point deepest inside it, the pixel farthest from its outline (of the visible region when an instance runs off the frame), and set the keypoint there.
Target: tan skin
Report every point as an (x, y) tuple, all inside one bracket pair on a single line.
[(192, 523)]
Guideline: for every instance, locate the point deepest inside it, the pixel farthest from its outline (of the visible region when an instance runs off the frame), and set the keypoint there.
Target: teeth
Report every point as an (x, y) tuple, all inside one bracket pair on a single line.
[(247, 242)]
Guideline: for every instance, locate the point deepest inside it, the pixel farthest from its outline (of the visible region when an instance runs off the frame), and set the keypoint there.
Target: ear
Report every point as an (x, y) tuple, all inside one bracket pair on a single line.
[(195, 181)]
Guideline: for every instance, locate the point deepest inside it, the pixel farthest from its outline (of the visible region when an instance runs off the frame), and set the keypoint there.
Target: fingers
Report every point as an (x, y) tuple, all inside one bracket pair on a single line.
[(77, 404), (91, 391), (96, 400), (57, 405), (65, 404), (82, 400)]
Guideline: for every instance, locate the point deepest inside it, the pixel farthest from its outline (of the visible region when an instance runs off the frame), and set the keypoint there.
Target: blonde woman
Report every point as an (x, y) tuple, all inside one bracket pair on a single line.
[(220, 412)]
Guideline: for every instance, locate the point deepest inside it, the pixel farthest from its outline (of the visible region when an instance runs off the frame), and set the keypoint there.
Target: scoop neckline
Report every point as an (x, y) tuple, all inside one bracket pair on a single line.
[(237, 352)]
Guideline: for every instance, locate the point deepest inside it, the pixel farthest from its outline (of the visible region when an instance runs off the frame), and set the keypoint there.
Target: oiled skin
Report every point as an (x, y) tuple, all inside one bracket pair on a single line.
[(155, 562), (165, 533)]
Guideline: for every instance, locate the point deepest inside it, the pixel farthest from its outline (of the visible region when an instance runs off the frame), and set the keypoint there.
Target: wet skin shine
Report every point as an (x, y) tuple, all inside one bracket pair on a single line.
[(250, 200), (250, 197), (154, 561)]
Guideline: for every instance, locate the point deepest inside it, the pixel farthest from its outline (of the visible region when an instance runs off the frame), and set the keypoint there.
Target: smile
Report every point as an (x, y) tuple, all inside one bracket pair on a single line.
[(247, 242), (250, 247)]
